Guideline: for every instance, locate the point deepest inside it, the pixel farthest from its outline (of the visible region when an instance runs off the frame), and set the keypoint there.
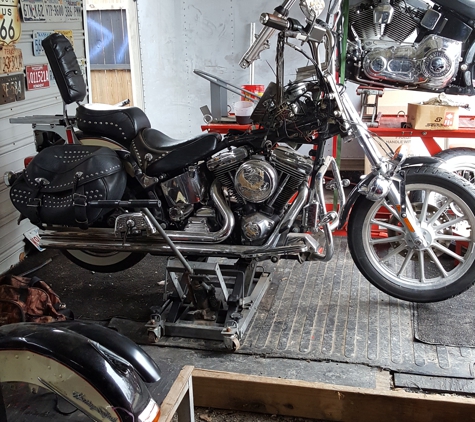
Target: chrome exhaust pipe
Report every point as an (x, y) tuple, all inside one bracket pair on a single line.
[(103, 243), (212, 237)]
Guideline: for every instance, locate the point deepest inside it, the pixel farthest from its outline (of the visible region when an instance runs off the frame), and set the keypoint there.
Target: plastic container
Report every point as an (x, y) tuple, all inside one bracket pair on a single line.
[(243, 111)]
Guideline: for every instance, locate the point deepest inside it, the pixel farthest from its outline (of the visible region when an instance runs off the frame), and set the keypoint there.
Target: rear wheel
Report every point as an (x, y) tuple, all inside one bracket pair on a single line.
[(386, 255), (459, 160), (103, 262)]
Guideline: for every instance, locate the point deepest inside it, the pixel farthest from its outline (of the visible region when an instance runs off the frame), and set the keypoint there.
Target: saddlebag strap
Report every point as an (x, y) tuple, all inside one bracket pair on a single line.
[(80, 203), (35, 200)]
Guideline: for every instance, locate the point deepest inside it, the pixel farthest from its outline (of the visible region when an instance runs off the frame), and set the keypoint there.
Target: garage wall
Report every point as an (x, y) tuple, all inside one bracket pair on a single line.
[(210, 35), (16, 141)]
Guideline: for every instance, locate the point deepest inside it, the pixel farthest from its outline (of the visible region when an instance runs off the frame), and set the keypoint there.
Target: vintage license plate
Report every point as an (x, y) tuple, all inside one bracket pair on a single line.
[(12, 88), (10, 22), (37, 76), (54, 11), (11, 60), (73, 10), (33, 10), (39, 36), (68, 33)]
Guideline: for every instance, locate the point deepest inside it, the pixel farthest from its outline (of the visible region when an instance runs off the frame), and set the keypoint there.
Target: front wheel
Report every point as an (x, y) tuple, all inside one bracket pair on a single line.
[(384, 253), (103, 262)]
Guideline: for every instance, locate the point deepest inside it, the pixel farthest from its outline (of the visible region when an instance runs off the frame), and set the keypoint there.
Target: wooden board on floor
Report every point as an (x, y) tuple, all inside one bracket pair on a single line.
[(223, 390)]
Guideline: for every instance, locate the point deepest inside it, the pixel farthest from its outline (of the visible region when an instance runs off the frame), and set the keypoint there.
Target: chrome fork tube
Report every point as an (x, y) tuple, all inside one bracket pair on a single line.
[(360, 131)]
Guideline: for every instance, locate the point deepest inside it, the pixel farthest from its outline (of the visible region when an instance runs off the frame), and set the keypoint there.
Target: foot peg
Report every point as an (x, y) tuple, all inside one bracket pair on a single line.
[(329, 218), (332, 185)]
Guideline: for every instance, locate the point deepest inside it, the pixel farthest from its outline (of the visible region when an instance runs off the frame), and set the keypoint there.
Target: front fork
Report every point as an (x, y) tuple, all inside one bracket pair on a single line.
[(396, 192)]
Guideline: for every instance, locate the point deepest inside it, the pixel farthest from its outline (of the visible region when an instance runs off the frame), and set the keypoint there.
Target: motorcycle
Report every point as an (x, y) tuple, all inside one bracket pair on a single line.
[(107, 189), (415, 45)]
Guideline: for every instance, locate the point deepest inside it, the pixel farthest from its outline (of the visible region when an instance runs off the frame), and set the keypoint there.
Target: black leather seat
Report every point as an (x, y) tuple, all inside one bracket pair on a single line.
[(121, 124), (158, 153)]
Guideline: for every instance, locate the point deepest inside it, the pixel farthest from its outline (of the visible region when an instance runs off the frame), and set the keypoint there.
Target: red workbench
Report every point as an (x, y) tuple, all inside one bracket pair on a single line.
[(224, 127), (391, 125)]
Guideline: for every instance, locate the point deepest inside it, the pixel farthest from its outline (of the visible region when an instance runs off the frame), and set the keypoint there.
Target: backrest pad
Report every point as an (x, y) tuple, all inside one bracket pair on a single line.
[(65, 67)]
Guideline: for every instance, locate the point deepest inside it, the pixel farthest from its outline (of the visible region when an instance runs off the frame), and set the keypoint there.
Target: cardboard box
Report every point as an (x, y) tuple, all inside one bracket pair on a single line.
[(431, 117)]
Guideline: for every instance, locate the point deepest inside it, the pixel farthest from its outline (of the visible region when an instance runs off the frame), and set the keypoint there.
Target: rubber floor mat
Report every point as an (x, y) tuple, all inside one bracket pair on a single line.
[(450, 323)]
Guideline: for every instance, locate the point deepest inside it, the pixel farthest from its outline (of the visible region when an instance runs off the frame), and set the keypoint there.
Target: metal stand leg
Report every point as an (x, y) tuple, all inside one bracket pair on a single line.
[(369, 110), (3, 410)]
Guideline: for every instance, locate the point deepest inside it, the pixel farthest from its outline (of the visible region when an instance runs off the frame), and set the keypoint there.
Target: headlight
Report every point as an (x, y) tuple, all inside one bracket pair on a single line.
[(312, 8)]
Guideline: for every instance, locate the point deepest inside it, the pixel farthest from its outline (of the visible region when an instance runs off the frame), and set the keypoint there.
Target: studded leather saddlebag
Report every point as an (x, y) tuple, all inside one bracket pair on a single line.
[(61, 181)]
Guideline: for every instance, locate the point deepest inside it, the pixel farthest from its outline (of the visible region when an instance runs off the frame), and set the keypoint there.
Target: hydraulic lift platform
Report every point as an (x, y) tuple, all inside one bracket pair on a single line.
[(217, 301)]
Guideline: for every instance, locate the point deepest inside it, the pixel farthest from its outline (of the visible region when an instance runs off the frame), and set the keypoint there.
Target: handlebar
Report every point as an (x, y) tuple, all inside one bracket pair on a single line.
[(274, 21), (261, 42)]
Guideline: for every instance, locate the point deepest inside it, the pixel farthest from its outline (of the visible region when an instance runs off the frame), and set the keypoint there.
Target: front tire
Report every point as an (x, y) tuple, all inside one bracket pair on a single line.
[(385, 255), (103, 262)]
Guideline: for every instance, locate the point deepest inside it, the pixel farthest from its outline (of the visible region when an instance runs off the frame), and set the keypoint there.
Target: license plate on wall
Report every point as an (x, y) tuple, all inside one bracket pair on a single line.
[(12, 88), (37, 76), (39, 36)]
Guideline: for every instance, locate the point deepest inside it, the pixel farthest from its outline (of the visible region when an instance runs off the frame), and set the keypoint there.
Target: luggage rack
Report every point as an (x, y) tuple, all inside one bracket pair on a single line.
[(216, 302)]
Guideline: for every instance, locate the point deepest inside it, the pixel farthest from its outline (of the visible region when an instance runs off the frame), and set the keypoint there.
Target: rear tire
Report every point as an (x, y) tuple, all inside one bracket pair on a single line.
[(103, 262), (459, 160), (386, 256)]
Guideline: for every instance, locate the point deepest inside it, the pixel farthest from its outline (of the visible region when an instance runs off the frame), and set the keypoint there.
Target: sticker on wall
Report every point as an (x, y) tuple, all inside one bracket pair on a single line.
[(37, 77), (10, 23), (73, 10), (12, 88), (33, 10), (39, 36), (11, 60), (54, 11)]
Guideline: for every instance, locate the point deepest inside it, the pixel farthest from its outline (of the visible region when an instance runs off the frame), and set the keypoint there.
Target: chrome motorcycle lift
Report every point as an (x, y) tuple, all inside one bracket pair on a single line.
[(215, 302)]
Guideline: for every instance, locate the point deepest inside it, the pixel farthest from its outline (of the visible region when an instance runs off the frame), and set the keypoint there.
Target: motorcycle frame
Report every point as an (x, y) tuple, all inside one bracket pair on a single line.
[(355, 129)]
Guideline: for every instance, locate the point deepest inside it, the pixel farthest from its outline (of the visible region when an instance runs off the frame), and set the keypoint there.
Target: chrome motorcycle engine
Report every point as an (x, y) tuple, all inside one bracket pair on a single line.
[(431, 64), (261, 187), (385, 33)]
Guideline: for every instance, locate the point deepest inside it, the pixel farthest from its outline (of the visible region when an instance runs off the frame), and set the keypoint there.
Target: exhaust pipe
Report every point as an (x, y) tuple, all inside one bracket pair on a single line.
[(56, 241), (212, 237)]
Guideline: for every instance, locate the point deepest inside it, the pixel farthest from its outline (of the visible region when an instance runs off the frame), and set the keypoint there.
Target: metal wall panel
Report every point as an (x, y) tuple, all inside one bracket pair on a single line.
[(16, 141), (177, 37)]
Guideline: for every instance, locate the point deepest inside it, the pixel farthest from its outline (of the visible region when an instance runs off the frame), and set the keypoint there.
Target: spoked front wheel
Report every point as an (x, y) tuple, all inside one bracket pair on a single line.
[(386, 255)]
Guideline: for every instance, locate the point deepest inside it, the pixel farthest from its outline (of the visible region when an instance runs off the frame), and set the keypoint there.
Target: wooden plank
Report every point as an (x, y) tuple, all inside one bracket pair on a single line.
[(179, 390), (249, 393), (111, 86)]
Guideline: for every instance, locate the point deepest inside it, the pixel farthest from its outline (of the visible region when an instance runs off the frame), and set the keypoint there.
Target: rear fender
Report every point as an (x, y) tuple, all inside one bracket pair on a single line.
[(357, 190), (70, 364)]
